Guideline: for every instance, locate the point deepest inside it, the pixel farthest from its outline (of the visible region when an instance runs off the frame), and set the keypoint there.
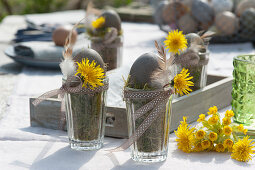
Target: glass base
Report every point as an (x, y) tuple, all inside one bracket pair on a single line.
[(149, 157), (85, 145)]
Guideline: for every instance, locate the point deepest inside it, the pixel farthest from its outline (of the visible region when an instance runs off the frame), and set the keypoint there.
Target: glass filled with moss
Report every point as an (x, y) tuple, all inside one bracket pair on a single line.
[(152, 146), (85, 115), (111, 53), (197, 71)]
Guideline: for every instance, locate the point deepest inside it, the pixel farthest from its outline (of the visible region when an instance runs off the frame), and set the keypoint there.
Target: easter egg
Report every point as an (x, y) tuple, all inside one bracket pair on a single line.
[(243, 5), (194, 38), (112, 19), (142, 70), (247, 23), (187, 24), (90, 54), (173, 11), (221, 5), (159, 12), (202, 12), (60, 34), (227, 23)]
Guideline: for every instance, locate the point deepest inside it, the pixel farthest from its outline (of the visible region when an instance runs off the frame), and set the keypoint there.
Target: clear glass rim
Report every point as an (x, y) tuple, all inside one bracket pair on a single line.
[(248, 61)]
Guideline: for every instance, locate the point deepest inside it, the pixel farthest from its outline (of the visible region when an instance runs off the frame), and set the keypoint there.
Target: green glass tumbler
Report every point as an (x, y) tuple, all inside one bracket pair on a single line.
[(243, 92)]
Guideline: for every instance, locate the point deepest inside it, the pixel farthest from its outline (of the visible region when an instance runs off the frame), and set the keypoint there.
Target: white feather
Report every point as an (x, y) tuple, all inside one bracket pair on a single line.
[(67, 67)]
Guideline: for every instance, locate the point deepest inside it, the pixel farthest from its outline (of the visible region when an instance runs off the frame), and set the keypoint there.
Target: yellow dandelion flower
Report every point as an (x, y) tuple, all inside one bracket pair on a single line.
[(213, 136), (212, 110), (241, 129), (206, 144), (245, 131), (182, 83), (229, 113), (228, 143), (98, 23), (198, 147), (226, 121), (201, 118), (213, 120), (91, 74), (243, 149), (185, 136), (176, 42), (220, 147), (227, 130), (200, 134)]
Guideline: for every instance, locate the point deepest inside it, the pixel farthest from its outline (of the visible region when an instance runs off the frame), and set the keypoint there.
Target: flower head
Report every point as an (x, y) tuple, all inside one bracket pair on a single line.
[(182, 83), (212, 110), (227, 130), (229, 113), (241, 129), (206, 144), (226, 121), (185, 136), (98, 23), (220, 147), (213, 136), (200, 134), (91, 74), (201, 118), (243, 149), (176, 42), (198, 147), (228, 143), (213, 120)]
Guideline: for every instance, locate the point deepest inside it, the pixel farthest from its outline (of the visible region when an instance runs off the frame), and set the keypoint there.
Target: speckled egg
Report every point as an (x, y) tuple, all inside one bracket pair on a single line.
[(142, 70), (60, 34), (158, 15), (243, 5), (247, 23), (221, 5), (187, 24), (202, 12), (112, 19), (227, 23), (173, 11)]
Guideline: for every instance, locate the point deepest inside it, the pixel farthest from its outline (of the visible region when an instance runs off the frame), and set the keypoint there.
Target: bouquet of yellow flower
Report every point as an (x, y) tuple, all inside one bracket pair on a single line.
[(215, 135)]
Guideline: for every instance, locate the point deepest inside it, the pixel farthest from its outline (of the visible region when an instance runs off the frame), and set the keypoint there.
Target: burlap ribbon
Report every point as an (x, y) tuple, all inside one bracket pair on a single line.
[(107, 41), (69, 87), (158, 102)]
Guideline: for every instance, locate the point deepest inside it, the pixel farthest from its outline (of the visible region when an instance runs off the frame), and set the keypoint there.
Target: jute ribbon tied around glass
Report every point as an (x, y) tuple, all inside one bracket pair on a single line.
[(69, 87), (159, 98), (107, 40)]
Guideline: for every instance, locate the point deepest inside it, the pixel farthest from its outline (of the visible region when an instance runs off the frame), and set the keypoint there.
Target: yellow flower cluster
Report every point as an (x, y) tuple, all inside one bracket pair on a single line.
[(215, 135)]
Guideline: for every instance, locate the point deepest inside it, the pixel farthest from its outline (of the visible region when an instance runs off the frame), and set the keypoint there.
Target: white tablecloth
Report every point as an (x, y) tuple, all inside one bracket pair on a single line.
[(25, 147)]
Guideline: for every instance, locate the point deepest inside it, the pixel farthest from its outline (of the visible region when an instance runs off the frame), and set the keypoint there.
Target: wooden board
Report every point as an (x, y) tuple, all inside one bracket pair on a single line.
[(217, 92)]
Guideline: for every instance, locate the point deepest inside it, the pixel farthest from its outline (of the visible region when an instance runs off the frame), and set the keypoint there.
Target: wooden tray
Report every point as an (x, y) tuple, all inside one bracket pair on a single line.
[(217, 92)]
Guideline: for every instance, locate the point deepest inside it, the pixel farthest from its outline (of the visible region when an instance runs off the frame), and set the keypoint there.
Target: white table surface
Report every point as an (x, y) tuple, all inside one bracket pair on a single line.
[(25, 147)]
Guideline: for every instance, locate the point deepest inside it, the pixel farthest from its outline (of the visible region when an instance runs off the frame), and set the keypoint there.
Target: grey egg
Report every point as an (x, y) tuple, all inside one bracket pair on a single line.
[(112, 19), (202, 12), (243, 5), (194, 38), (142, 70), (247, 23), (89, 54), (187, 24)]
